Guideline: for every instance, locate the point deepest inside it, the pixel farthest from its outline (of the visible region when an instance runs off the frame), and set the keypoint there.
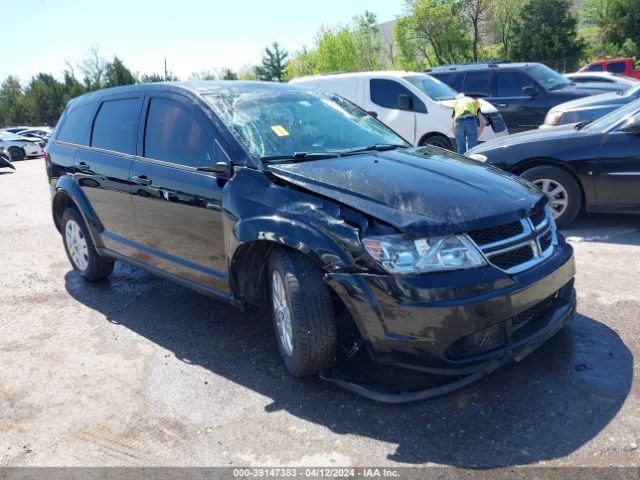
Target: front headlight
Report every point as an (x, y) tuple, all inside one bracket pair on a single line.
[(478, 157), (552, 118), (397, 254)]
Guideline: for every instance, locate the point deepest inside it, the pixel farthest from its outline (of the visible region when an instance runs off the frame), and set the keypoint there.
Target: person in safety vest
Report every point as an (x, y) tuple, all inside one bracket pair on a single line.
[(467, 124)]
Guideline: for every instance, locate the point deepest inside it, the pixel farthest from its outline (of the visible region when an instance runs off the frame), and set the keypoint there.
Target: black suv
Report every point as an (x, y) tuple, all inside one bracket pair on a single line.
[(273, 196), (522, 92)]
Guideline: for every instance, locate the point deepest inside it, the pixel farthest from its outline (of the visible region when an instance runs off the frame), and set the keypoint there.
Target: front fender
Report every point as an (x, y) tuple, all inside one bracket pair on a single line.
[(67, 189), (330, 249)]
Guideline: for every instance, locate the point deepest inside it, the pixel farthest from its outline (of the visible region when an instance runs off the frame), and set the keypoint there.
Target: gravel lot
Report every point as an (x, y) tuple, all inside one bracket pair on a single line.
[(139, 371)]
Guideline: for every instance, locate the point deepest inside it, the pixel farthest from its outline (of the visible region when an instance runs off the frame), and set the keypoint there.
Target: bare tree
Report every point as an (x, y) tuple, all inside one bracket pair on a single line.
[(93, 67), (479, 13)]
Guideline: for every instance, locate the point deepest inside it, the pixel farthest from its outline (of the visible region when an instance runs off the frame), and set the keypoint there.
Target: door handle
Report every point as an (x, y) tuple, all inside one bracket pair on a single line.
[(141, 180), (82, 166), (502, 105)]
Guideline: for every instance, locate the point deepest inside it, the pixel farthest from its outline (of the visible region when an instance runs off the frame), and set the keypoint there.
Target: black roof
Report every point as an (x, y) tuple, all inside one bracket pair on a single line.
[(191, 88), (478, 66)]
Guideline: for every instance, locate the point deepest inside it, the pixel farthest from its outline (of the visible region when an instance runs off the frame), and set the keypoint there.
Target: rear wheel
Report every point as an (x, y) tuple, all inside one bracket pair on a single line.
[(302, 313), (437, 141), (562, 190), (80, 249), (16, 154)]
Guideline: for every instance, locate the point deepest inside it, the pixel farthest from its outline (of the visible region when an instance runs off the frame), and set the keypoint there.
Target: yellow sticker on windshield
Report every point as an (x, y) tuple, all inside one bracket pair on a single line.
[(279, 130)]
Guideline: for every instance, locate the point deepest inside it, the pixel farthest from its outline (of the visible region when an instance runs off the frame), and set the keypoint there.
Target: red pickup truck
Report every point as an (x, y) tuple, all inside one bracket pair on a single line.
[(621, 66)]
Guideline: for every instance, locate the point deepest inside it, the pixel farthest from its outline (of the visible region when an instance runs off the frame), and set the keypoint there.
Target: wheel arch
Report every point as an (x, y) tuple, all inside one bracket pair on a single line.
[(257, 238), (529, 163), (68, 194), (428, 135)]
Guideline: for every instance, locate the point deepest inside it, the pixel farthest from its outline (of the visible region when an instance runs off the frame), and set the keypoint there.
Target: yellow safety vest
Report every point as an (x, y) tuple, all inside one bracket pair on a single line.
[(464, 106)]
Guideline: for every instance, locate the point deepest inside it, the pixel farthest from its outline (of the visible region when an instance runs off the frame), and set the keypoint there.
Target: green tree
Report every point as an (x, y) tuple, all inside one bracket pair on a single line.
[(367, 39), (44, 100), (546, 30), (505, 15), (302, 63), (11, 102), (273, 67), (115, 74), (435, 32), (479, 14), (620, 25)]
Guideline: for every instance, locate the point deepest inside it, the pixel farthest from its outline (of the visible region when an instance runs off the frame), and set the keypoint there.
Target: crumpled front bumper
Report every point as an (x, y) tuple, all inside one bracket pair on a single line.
[(460, 323)]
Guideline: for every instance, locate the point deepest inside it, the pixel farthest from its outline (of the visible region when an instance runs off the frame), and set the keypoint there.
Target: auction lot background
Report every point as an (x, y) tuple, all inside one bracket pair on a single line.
[(140, 372)]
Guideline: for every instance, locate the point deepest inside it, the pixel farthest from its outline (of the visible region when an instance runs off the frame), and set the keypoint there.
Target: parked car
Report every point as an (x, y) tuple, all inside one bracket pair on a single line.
[(522, 92), (14, 129), (300, 201), (5, 160), (39, 133), (416, 106), (601, 77), (622, 66), (589, 108), (19, 147), (595, 166)]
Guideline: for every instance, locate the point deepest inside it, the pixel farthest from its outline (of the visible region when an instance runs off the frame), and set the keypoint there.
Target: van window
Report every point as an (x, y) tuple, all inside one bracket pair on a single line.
[(595, 68), (477, 84), (174, 134), (385, 94), (616, 67), (510, 84), (75, 127), (116, 125)]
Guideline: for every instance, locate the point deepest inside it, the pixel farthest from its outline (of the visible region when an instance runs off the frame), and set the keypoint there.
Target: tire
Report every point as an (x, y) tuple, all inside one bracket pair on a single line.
[(437, 141), (311, 348), (16, 154), (81, 250), (566, 204)]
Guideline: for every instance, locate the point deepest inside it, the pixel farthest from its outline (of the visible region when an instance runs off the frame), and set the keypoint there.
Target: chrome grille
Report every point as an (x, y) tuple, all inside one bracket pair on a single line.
[(518, 246)]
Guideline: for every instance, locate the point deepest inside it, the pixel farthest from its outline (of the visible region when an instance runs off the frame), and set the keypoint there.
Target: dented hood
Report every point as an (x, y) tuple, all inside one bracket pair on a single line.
[(418, 191)]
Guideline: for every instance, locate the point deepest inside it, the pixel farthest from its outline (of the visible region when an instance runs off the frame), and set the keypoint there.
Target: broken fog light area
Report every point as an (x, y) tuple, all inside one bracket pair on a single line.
[(517, 328)]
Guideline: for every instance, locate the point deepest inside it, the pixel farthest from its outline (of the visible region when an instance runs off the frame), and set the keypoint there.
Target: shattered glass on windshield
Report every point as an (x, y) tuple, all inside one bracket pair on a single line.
[(273, 124)]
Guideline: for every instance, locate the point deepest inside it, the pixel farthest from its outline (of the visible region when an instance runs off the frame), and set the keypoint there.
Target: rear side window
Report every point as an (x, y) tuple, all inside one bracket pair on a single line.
[(510, 84), (595, 68), (115, 126), (176, 134), (385, 94), (75, 127), (616, 67), (477, 84)]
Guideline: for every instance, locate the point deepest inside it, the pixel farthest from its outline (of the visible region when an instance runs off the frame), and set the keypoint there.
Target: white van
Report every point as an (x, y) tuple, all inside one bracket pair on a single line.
[(415, 105)]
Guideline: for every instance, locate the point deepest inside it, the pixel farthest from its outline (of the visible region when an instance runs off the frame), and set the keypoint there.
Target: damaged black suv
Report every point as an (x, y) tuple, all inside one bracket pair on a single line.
[(271, 195)]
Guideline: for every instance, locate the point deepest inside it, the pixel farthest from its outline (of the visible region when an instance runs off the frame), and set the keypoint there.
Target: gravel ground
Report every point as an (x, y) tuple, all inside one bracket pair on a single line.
[(139, 371)]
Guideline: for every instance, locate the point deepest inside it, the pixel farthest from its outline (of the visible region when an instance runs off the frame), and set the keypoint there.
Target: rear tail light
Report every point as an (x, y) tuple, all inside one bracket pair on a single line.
[(45, 155)]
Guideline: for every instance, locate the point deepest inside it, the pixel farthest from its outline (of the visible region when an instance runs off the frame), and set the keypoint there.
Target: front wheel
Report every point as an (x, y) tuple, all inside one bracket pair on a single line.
[(302, 312), (562, 190), (16, 154), (437, 141), (80, 249)]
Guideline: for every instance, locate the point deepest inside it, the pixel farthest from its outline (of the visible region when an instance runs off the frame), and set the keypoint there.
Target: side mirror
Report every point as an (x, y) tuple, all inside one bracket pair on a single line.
[(373, 114), (404, 102), (222, 166), (529, 91)]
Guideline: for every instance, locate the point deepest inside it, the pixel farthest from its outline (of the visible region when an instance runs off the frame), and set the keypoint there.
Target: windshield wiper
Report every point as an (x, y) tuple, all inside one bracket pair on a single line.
[(378, 147), (299, 156), (560, 85)]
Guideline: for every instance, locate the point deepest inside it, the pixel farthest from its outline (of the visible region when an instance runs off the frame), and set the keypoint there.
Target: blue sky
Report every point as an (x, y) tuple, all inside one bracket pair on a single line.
[(194, 35)]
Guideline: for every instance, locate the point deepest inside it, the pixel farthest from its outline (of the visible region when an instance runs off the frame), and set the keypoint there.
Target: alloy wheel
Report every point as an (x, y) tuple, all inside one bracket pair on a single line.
[(281, 313), (77, 245), (556, 193)]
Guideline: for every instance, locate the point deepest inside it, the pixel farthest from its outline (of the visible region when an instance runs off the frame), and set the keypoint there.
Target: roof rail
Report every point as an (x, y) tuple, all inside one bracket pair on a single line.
[(455, 66)]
